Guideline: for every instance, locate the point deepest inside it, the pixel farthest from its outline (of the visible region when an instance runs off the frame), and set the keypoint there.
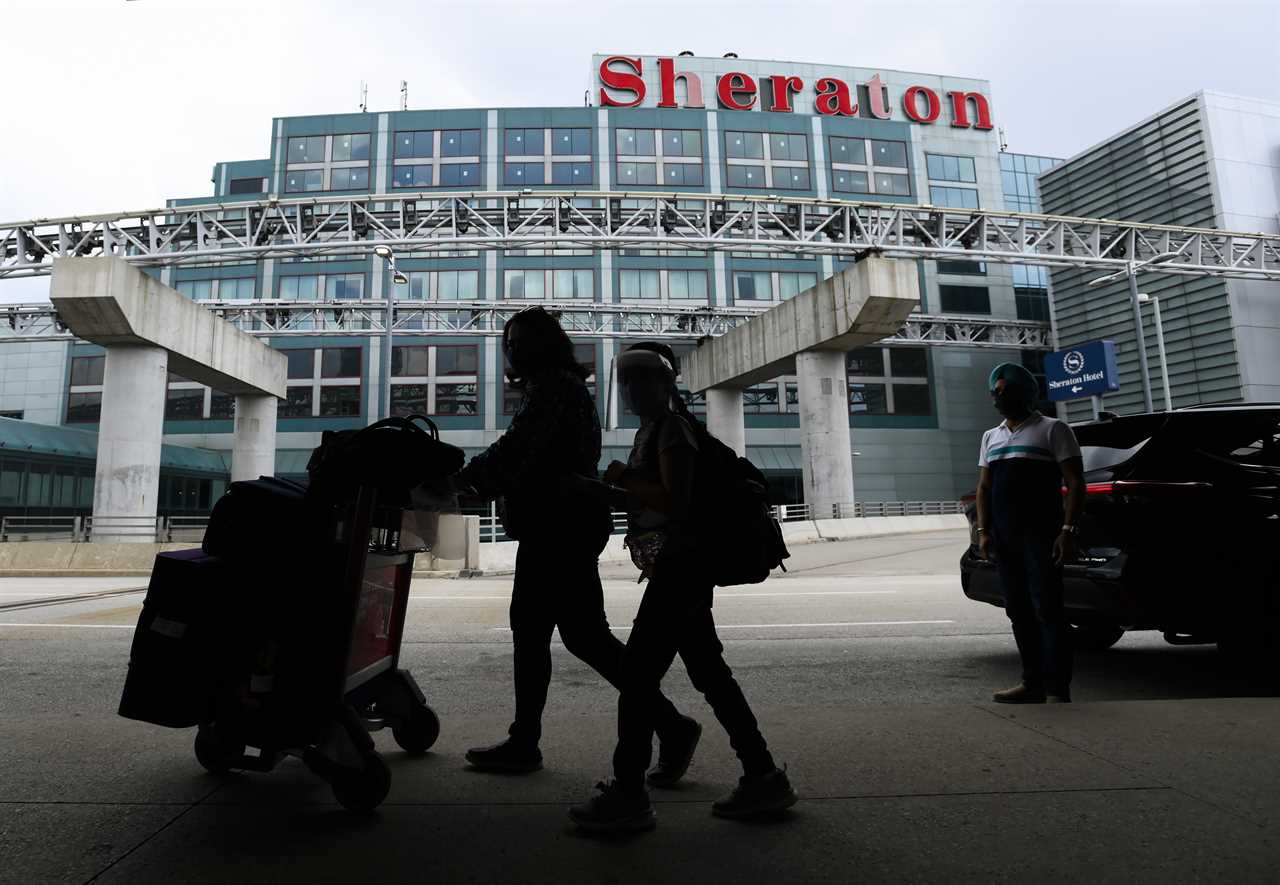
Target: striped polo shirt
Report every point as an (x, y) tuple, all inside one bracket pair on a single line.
[(1026, 482)]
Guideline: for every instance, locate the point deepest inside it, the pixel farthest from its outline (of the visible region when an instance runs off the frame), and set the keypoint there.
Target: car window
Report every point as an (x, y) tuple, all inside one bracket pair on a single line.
[(1103, 457)]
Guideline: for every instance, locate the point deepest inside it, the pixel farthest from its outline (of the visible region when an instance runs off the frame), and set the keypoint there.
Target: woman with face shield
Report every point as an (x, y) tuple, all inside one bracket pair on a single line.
[(561, 526), (656, 487)]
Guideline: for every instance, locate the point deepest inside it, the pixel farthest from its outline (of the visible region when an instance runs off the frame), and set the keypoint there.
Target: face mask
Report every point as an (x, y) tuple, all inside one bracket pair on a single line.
[(1010, 403)]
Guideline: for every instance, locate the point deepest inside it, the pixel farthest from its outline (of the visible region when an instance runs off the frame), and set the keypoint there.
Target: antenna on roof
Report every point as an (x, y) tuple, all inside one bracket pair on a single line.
[(364, 97), (404, 95), (1004, 144)]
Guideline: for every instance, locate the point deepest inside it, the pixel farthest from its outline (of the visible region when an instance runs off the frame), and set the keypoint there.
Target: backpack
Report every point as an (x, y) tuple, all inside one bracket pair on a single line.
[(393, 455), (736, 531)]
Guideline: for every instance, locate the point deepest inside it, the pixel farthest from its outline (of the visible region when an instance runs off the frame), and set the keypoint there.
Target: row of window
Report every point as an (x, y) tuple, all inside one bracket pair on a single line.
[(28, 485)]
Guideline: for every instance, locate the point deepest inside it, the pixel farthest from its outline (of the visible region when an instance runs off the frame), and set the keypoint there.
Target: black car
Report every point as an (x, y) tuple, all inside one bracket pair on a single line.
[(1180, 531)]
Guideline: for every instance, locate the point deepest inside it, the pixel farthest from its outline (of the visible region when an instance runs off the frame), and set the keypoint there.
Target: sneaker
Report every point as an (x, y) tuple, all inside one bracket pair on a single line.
[(674, 756), (755, 796), (1019, 694), (615, 810), (507, 757)]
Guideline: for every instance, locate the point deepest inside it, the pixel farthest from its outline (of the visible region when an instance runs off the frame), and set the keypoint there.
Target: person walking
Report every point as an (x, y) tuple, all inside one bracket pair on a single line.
[(656, 485), (1023, 464), (553, 436)]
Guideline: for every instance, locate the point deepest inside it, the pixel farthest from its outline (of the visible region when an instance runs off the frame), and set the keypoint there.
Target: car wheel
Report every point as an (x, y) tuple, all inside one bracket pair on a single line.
[(1095, 637)]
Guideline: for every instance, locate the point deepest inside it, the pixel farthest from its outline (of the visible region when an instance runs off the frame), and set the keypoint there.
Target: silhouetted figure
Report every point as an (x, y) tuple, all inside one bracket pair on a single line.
[(1023, 463), (553, 437), (675, 613)]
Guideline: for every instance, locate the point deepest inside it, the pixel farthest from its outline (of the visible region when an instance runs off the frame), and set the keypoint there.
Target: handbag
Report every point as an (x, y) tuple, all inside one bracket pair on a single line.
[(393, 455), (645, 548)]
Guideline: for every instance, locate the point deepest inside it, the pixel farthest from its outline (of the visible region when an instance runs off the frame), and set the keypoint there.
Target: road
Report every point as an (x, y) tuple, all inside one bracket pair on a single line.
[(871, 675)]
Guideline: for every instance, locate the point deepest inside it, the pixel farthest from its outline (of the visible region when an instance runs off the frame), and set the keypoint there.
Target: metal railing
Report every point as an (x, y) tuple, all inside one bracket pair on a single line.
[(80, 529)]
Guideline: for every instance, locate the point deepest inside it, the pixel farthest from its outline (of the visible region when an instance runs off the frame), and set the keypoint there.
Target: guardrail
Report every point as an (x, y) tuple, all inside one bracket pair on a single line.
[(79, 529)]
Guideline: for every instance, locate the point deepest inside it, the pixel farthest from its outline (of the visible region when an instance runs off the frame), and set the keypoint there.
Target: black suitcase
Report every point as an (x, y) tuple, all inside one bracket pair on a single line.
[(171, 667), (261, 515)]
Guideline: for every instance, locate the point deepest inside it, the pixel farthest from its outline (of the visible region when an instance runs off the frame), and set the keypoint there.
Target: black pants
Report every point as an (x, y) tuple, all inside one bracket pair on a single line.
[(1033, 602), (558, 585), (675, 618)]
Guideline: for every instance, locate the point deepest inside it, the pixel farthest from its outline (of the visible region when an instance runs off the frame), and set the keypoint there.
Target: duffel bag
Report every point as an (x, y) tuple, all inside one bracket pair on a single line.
[(393, 455), (260, 515)]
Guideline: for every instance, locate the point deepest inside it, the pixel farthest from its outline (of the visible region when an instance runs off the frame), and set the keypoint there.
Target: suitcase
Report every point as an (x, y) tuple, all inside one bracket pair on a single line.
[(261, 515), (171, 670)]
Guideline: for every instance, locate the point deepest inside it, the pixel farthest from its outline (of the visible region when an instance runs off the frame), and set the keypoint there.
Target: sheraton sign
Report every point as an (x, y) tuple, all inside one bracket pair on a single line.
[(622, 85)]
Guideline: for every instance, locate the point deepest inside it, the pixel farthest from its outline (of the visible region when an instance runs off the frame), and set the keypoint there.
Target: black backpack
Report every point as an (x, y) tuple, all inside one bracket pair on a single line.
[(393, 455), (738, 536)]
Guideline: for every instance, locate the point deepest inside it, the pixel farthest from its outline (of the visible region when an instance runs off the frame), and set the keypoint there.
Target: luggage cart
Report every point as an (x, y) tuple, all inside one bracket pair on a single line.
[(314, 686)]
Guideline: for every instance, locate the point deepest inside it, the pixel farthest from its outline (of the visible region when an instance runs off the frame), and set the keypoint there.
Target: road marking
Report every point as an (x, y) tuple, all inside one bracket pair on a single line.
[(783, 626), (719, 598), (93, 626)]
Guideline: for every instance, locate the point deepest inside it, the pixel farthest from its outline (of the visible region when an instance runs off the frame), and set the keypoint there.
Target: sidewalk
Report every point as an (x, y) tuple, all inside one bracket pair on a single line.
[(1125, 791)]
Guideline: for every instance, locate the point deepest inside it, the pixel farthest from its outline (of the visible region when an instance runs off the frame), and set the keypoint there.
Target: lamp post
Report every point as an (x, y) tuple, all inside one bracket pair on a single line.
[(1144, 298), (397, 279), (1130, 271)]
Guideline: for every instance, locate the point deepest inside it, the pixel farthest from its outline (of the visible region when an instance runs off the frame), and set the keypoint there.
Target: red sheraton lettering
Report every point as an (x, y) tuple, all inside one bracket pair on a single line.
[(622, 85)]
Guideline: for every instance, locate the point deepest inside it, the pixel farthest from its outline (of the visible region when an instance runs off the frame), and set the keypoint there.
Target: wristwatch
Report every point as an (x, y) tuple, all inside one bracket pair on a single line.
[(1069, 529)]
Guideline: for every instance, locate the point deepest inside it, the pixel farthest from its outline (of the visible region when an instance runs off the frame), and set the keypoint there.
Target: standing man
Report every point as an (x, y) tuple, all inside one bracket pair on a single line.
[(1023, 463)]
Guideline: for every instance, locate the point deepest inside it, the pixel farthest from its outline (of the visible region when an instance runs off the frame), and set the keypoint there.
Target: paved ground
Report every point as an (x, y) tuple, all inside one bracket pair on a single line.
[(871, 675)]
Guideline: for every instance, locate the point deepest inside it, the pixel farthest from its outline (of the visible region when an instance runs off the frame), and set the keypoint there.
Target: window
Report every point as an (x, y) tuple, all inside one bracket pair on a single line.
[(222, 405), (752, 286), (351, 147), (184, 404), (784, 160), (339, 402), (306, 149), (522, 285), (459, 174), (571, 174), (240, 288), (354, 178), (889, 153), (522, 173), (967, 268), (247, 186), (572, 284), (760, 398), (458, 285), (460, 143), (868, 166), (965, 299), (1032, 304), (868, 399), (865, 361), (413, 176), (665, 157), (946, 168), (344, 287), (687, 285), (570, 142), (457, 359), (583, 352), (410, 399), (297, 403), (415, 144), (953, 197), (299, 288), (908, 362), (15, 414), (87, 370), (524, 142), (340, 362), (889, 380), (84, 407), (301, 363), (196, 290), (297, 180), (639, 284), (456, 399), (412, 361), (792, 284)]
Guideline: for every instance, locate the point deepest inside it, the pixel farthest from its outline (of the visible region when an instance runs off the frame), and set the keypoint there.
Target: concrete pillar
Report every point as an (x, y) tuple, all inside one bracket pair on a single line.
[(825, 452), (724, 417), (127, 474), (254, 451)]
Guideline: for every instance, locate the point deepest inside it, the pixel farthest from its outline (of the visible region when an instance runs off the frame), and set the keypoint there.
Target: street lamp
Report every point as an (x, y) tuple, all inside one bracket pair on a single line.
[(1130, 270), (1144, 298), (397, 279)]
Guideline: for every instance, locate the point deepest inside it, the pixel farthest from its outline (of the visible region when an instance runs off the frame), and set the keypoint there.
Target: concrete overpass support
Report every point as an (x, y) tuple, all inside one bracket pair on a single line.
[(254, 450), (825, 450), (127, 474), (724, 417)]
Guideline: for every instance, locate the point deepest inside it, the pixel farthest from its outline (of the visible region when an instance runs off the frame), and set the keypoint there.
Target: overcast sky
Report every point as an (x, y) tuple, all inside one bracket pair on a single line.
[(116, 105)]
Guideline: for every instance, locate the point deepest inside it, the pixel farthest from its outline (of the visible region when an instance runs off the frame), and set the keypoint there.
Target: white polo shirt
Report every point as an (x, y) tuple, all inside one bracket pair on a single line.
[(1039, 438)]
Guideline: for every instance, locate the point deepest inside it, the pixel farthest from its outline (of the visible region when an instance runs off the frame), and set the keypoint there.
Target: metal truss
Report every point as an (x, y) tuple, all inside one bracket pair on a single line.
[(425, 223), (32, 322)]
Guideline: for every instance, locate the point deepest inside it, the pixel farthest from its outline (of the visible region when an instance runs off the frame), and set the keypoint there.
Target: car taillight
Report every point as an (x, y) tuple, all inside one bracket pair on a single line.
[(1142, 487), (1095, 488)]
